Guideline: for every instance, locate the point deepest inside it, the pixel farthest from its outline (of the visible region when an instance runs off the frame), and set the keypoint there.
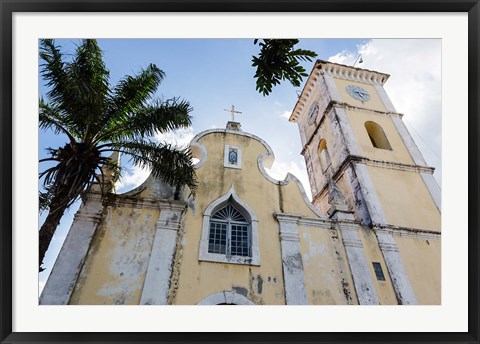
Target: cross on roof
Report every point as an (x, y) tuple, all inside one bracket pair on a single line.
[(232, 110)]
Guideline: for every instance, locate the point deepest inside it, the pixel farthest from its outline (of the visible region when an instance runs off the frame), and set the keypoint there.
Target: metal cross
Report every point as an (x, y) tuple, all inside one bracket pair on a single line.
[(232, 110)]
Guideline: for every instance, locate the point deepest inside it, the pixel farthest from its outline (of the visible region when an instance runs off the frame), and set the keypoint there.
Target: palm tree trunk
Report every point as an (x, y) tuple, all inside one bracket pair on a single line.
[(49, 227)]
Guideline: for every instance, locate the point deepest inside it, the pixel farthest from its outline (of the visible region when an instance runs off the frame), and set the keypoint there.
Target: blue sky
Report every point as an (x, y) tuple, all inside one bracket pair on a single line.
[(214, 74)]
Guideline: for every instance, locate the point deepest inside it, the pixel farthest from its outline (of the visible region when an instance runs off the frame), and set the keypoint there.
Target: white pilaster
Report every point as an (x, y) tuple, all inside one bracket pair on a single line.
[(65, 271), (357, 261), (385, 98), (374, 207), (159, 271), (398, 275), (293, 274), (332, 88), (345, 137), (386, 242)]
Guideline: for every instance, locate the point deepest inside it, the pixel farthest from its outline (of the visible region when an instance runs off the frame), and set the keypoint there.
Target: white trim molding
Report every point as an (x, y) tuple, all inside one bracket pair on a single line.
[(200, 152), (226, 156), (401, 284), (230, 297), (159, 270), (204, 255), (292, 264), (362, 279), (67, 267)]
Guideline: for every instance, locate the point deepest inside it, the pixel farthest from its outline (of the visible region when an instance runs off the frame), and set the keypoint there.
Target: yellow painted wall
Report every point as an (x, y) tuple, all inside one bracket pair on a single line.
[(263, 284), (405, 199), (116, 264), (326, 281), (197, 280), (425, 278), (399, 152), (375, 102)]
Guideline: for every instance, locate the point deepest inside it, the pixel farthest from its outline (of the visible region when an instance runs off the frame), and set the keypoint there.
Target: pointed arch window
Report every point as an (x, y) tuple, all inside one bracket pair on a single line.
[(377, 136), (229, 232)]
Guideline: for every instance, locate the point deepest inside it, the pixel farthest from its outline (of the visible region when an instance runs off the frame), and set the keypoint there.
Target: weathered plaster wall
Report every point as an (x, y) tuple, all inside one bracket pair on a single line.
[(115, 268), (399, 152), (198, 279), (405, 199), (261, 284), (425, 277), (385, 292), (327, 276)]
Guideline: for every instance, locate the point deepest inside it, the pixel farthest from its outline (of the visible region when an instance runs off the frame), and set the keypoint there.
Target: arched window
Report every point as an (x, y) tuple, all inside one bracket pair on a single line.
[(230, 232), (377, 135), (323, 155)]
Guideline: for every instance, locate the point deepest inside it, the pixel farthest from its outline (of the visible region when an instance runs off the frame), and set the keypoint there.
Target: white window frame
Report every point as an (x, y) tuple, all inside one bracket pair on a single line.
[(204, 255)]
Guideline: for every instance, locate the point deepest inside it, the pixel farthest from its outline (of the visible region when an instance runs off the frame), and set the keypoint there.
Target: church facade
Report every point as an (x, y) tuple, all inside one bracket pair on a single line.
[(370, 236)]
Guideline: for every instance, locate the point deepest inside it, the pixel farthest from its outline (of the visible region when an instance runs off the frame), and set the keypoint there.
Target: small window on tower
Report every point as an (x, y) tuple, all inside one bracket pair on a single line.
[(377, 136), (378, 271), (324, 157)]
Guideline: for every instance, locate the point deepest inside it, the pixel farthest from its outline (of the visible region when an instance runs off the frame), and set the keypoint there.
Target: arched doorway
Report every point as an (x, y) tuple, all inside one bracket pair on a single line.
[(225, 298)]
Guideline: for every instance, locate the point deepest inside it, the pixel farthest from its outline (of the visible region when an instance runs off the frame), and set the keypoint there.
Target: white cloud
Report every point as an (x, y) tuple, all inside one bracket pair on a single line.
[(414, 86), (345, 57), (286, 114), (280, 169), (132, 176), (180, 137)]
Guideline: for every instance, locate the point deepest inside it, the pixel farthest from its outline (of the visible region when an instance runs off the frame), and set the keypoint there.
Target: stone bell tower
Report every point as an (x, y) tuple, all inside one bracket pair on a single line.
[(352, 136)]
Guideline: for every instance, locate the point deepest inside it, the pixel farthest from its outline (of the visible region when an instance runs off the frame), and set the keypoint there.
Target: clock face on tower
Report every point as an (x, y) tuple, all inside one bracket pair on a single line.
[(358, 93)]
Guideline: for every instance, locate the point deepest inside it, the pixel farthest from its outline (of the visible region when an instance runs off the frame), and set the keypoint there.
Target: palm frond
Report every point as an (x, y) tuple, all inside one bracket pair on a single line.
[(158, 117), (166, 161), (132, 92), (90, 87), (50, 118)]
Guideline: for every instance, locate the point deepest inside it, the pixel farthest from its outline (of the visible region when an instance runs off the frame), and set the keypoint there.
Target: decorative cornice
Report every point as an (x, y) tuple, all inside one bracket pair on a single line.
[(80, 216), (143, 203), (341, 105), (408, 232), (335, 70), (226, 131), (340, 71), (351, 159), (303, 221)]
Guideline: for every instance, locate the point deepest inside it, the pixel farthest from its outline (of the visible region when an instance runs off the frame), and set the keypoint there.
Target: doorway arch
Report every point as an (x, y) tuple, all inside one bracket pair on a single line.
[(226, 298)]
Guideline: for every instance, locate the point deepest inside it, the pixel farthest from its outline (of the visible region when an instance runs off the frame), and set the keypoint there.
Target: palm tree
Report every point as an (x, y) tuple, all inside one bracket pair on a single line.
[(97, 120)]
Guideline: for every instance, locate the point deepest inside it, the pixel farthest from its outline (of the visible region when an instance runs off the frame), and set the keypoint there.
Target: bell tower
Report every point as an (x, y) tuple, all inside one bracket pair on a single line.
[(353, 136)]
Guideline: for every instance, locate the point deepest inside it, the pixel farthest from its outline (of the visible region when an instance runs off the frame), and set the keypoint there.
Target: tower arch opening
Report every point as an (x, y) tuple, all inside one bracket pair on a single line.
[(377, 136), (324, 156)]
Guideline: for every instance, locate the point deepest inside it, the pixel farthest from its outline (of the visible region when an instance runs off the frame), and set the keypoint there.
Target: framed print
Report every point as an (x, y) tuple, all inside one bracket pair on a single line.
[(311, 192)]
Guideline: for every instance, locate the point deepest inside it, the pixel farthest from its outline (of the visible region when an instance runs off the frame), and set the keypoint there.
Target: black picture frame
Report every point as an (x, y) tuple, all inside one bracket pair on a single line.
[(9, 7)]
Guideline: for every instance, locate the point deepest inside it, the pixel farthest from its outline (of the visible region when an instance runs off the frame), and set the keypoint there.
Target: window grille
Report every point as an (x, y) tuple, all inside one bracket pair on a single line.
[(230, 233)]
